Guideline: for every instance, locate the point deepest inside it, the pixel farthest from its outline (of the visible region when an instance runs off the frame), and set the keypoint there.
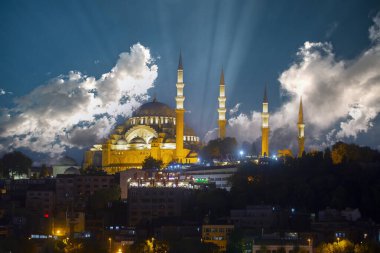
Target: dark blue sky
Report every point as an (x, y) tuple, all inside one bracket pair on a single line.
[(255, 41)]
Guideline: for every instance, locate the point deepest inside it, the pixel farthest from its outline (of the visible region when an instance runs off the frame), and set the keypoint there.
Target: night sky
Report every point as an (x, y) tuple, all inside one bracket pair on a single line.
[(71, 70)]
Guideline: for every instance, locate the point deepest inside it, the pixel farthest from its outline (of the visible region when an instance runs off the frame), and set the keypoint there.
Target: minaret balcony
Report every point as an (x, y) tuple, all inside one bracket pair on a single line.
[(222, 110)]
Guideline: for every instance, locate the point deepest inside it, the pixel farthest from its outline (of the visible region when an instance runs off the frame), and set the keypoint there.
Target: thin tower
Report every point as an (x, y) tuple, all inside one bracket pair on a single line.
[(265, 127), (222, 108), (180, 111), (301, 131)]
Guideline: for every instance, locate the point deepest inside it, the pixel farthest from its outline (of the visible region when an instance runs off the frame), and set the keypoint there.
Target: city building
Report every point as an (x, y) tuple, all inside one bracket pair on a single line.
[(287, 245), (149, 203), (63, 164), (40, 202), (143, 178), (217, 234), (218, 175), (68, 223), (259, 217), (73, 188)]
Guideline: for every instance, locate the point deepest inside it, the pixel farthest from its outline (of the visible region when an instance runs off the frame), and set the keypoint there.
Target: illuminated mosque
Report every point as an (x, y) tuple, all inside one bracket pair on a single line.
[(156, 130)]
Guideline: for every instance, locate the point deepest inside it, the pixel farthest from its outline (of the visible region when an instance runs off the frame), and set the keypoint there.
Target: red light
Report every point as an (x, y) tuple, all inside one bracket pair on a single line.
[(46, 215)]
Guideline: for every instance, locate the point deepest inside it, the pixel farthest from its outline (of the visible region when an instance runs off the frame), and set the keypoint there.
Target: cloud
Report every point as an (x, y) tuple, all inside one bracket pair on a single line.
[(211, 135), (331, 29), (4, 92), (76, 110), (340, 97), (374, 31), (235, 109)]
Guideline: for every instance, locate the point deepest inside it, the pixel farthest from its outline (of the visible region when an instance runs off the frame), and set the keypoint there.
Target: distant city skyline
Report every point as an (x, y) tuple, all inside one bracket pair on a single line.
[(71, 70)]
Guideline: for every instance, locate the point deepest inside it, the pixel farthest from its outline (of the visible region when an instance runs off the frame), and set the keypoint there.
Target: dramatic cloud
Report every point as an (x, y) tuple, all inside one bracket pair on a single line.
[(76, 110), (341, 97)]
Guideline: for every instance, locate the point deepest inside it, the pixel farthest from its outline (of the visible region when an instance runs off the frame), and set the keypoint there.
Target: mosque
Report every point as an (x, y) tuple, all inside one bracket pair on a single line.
[(157, 130)]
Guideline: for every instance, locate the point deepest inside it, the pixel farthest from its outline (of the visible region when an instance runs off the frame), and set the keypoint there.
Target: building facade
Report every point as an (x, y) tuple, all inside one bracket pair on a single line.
[(74, 189), (149, 203), (217, 234)]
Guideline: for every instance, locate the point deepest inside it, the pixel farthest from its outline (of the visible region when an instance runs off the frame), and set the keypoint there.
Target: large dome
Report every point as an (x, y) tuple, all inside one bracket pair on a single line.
[(154, 108)]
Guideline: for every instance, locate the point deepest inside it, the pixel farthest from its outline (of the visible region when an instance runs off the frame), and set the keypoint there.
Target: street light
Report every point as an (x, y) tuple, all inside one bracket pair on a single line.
[(110, 240), (241, 152)]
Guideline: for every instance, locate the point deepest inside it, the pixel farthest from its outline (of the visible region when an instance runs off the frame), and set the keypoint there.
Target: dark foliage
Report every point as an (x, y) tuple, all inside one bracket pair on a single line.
[(219, 149), (15, 163), (311, 183), (151, 164)]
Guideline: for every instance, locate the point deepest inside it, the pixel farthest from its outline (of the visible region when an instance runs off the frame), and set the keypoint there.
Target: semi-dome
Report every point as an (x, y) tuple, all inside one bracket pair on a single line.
[(121, 142), (72, 171), (66, 161), (137, 140), (169, 140), (154, 108)]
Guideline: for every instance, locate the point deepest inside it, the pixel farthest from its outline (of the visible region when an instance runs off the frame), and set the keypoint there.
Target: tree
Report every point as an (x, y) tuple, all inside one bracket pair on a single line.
[(138, 246), (219, 149), (347, 246), (15, 163), (100, 199), (93, 245), (336, 247), (17, 245), (235, 242), (150, 163), (343, 152), (44, 171), (190, 245)]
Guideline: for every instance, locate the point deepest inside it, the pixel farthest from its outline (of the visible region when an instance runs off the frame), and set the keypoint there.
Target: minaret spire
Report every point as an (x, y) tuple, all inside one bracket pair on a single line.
[(301, 131), (265, 100), (300, 113), (222, 107), (180, 66), (180, 112), (265, 126), (221, 78)]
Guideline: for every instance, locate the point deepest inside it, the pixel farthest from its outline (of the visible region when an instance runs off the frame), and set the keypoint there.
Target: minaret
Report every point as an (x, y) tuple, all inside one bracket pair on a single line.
[(265, 126), (301, 131), (180, 111), (222, 108)]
